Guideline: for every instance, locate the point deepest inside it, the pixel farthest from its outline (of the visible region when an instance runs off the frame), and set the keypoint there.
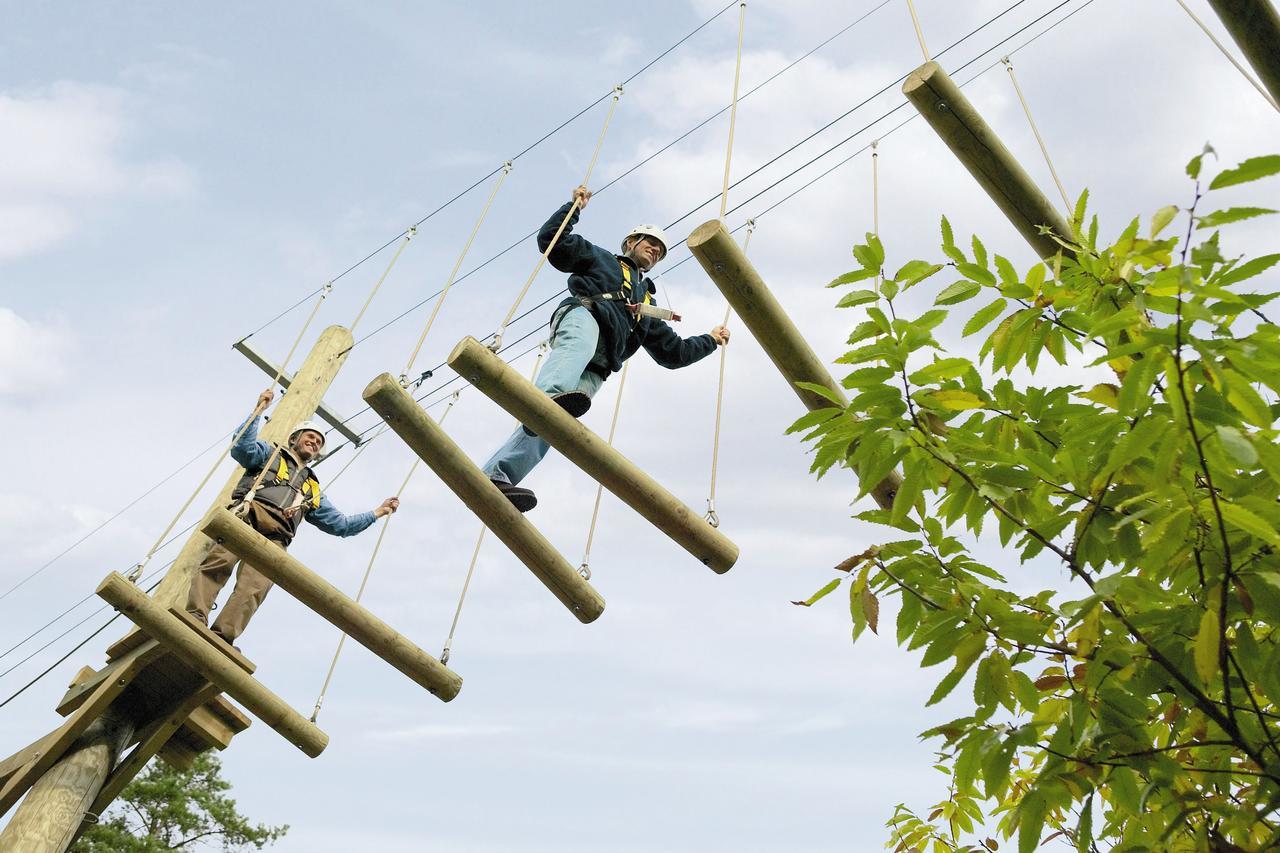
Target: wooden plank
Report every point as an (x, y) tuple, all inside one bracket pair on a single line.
[(26, 755), (231, 652), (196, 653), (150, 741), (343, 612), (126, 644), (94, 704), (76, 695), (207, 730), (178, 754), (226, 711)]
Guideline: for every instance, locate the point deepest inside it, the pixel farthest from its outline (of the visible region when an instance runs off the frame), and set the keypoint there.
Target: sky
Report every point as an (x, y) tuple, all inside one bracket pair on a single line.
[(174, 177)]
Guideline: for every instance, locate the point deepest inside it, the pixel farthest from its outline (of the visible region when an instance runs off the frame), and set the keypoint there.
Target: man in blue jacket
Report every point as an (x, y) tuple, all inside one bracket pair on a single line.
[(277, 493), (608, 315)]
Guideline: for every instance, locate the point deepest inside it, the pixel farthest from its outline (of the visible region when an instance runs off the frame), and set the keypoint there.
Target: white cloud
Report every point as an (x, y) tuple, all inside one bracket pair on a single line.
[(61, 147), (431, 732), (32, 354)]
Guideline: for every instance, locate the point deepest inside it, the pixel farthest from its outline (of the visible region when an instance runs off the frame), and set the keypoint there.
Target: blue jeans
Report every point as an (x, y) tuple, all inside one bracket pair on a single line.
[(575, 337)]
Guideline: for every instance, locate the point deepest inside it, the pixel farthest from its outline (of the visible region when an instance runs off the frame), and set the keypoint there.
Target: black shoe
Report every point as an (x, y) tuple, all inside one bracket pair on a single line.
[(576, 403), (522, 499)]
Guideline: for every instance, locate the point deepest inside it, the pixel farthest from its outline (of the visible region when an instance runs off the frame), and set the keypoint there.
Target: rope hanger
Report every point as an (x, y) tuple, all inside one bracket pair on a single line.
[(502, 327), (585, 568), (1044, 149)]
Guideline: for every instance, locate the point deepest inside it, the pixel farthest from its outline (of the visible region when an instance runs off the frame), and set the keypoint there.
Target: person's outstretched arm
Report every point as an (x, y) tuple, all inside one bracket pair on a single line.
[(333, 521), (670, 350)]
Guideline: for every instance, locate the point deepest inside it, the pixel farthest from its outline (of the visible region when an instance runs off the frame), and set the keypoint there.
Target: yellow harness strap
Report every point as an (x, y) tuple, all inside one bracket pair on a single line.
[(626, 284)]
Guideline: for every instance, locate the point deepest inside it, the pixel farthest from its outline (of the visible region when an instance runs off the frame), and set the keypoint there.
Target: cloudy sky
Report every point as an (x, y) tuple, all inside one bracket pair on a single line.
[(173, 177)]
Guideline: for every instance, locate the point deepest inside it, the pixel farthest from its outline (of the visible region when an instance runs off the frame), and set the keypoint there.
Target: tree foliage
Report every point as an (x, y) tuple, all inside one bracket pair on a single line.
[(1136, 707), (169, 809)]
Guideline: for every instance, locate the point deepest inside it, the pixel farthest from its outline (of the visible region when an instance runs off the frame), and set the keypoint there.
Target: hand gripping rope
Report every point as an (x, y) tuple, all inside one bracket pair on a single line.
[(136, 573), (502, 328)]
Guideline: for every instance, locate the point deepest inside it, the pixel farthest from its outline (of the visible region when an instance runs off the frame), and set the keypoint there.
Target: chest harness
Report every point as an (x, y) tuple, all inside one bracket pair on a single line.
[(292, 490), (643, 308)]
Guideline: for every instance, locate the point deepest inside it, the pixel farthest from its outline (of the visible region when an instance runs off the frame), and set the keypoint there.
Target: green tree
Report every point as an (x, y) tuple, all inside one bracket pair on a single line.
[(169, 809), (1136, 707)]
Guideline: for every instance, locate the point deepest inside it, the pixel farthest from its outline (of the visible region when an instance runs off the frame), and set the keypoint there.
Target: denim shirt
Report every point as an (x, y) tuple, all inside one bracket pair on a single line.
[(252, 453)]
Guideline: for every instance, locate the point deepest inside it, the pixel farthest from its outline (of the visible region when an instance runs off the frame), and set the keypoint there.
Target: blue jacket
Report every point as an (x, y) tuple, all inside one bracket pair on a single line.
[(253, 453), (595, 271)]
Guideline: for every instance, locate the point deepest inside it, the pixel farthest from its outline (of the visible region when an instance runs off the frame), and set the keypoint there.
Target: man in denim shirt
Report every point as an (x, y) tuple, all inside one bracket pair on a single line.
[(604, 321), (274, 504)]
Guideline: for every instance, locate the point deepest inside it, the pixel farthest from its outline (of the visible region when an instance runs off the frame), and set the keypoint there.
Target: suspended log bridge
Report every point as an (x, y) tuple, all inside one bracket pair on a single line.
[(727, 265), (434, 447), (940, 101), (531, 406), (328, 601)]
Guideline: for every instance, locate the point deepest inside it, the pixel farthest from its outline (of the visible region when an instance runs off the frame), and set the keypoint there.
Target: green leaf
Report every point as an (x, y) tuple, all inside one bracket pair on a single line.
[(958, 292), (811, 419), (1031, 813), (1084, 829), (980, 274), (940, 370), (1233, 214), (820, 594), (984, 316), (1247, 401), (1193, 167), (1207, 640), (1242, 518), (856, 275), (914, 272), (953, 400), (857, 297), (1247, 270), (1162, 218), (1237, 446), (866, 377), (822, 391), (1250, 170)]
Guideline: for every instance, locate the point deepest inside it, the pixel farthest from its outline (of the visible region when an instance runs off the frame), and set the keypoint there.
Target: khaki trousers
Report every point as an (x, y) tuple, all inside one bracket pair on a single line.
[(251, 585)]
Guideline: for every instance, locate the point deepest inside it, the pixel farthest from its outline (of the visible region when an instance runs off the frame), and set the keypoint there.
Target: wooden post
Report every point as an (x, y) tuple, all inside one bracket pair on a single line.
[(433, 446), (306, 392), (727, 265), (50, 816), (976, 145), (195, 652), (1255, 26), (517, 395), (331, 603)]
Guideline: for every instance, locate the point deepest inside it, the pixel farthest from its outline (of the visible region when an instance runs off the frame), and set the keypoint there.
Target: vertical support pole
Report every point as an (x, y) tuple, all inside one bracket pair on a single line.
[(309, 386), (55, 806), (1255, 26), (47, 820), (976, 145), (727, 265)]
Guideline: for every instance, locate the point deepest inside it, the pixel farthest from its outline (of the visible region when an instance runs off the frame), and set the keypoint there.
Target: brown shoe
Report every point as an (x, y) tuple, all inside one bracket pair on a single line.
[(576, 403), (521, 498)]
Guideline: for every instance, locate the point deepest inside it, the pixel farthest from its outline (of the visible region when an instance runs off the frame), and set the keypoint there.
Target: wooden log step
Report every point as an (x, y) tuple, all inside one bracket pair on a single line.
[(177, 637), (342, 611), (434, 447), (628, 482)]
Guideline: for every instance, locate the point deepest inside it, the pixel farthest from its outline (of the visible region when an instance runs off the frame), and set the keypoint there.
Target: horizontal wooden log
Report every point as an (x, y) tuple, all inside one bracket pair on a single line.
[(434, 447), (762, 314), (192, 650), (941, 103), (626, 480), (328, 601), (1255, 26)]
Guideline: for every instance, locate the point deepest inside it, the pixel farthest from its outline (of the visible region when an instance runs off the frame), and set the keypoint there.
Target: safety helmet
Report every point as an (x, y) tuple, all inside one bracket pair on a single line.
[(311, 426), (647, 231)]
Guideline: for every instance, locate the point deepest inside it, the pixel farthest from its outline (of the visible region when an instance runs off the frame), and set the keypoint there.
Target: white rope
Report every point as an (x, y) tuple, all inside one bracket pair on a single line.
[(475, 554), (915, 19), (712, 517), (1044, 149), (409, 234), (502, 328), (364, 581), (585, 568), (875, 198), (733, 109), (141, 567), (1243, 72), (453, 274)]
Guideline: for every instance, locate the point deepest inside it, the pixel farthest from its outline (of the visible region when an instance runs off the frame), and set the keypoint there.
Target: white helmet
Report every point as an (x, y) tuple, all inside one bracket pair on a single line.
[(647, 231), (311, 426)]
